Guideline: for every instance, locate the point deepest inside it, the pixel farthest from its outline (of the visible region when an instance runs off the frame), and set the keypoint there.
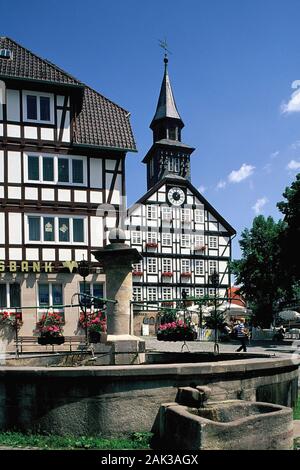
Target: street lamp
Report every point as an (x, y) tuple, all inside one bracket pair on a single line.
[(214, 280), (84, 271)]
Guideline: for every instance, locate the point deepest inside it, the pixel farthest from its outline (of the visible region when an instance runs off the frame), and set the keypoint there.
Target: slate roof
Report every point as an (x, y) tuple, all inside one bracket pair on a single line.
[(100, 123)]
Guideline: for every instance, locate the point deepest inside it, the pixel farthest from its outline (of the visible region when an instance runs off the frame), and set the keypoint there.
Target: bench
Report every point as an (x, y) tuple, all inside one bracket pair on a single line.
[(33, 340)]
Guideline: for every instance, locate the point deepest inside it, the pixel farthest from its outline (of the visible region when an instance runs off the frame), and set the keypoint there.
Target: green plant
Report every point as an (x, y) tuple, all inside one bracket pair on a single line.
[(51, 324)]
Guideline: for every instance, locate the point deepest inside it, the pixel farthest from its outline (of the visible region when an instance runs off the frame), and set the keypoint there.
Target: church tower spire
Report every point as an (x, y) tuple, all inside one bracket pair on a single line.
[(168, 157), (166, 123)]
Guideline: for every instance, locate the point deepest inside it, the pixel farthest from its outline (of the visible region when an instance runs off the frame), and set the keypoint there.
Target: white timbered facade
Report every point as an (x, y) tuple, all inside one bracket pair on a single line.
[(182, 238), (62, 182)]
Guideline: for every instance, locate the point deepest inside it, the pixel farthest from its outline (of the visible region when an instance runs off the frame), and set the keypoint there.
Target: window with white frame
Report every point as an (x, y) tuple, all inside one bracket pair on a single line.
[(199, 292), (152, 265), (136, 238), (137, 294), (167, 265), (166, 214), (152, 293), (199, 267), (55, 229), (38, 107), (55, 169), (185, 266), (213, 265), (50, 295), (138, 267), (10, 295), (166, 239), (167, 293), (94, 289), (151, 237), (185, 215), (199, 241), (185, 241), (199, 216), (173, 164), (211, 292), (152, 212), (187, 290), (213, 242)]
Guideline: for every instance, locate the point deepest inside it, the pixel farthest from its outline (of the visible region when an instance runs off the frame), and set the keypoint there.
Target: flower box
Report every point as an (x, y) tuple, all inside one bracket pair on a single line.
[(50, 339), (186, 274), (137, 273), (151, 245), (200, 248), (96, 337), (176, 331), (167, 274)]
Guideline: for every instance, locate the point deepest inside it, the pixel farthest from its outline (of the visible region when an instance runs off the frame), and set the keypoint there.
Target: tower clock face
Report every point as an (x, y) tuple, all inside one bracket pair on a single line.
[(176, 196)]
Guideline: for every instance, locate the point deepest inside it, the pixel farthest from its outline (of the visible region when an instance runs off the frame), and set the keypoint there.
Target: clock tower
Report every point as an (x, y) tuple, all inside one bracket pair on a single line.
[(168, 156)]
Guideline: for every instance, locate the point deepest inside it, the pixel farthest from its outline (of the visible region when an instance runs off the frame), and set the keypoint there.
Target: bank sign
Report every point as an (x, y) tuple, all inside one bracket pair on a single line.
[(35, 266)]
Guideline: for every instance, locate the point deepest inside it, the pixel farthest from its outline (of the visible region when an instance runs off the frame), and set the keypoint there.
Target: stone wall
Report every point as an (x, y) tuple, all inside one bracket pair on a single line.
[(123, 399)]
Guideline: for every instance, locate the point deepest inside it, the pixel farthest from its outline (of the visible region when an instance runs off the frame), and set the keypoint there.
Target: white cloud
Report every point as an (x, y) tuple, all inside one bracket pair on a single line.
[(295, 145), (274, 154), (260, 203), (221, 184), (293, 165), (202, 189), (236, 176), (268, 168), (293, 106)]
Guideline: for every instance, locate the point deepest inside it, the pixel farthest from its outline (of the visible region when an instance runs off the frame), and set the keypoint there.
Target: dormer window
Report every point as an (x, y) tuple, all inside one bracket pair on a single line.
[(38, 107)]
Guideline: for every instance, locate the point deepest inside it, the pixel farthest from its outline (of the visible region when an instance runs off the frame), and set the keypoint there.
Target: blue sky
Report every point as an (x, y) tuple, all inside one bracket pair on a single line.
[(232, 69)]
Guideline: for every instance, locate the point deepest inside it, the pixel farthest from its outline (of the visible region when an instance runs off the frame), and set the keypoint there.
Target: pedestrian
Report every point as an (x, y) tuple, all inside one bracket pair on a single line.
[(241, 335)]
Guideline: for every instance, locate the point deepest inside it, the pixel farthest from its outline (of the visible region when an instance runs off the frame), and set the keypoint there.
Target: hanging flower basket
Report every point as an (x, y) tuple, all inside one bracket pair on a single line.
[(50, 329), (96, 337), (13, 319), (50, 339), (96, 326)]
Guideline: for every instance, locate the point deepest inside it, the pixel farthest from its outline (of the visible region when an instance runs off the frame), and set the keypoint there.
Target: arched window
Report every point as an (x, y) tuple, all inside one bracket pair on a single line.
[(151, 321), (146, 321)]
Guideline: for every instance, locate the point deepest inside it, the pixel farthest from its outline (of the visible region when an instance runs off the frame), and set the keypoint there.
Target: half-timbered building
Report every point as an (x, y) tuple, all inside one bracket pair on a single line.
[(62, 160), (182, 237)]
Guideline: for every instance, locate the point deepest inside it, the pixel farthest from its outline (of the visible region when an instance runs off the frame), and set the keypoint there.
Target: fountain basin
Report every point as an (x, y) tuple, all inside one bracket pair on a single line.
[(226, 425)]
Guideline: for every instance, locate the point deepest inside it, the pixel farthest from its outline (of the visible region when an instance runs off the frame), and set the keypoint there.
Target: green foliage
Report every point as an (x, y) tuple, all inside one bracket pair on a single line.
[(16, 439), (217, 320), (258, 272), (168, 316), (289, 238)]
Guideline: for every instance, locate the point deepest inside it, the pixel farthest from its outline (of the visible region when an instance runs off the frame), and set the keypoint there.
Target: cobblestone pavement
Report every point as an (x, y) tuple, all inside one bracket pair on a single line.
[(207, 346)]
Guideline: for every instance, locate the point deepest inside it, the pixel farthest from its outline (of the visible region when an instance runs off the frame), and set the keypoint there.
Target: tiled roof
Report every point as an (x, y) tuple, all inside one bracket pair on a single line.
[(25, 64), (100, 123)]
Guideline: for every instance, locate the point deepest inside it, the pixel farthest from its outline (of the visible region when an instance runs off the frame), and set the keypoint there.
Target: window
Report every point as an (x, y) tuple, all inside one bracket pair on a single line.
[(199, 292), (152, 265), (185, 266), (151, 212), (5, 53), (34, 228), (10, 295), (38, 107), (33, 168), (213, 267), (167, 265), (187, 290), (185, 241), (64, 229), (151, 237), (63, 170), (199, 241), (173, 164), (55, 229), (50, 295), (199, 216), (137, 294), (138, 267), (185, 215), (152, 293), (136, 238), (167, 214), (167, 293), (77, 171), (213, 242), (211, 292), (54, 169), (166, 239), (199, 267), (92, 288)]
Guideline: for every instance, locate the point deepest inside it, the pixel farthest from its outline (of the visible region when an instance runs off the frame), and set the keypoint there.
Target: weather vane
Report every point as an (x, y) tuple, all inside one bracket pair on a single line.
[(164, 45)]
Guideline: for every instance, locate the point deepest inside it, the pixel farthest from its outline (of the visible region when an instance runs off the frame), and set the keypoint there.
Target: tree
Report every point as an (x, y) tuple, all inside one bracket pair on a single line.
[(290, 237), (258, 270)]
